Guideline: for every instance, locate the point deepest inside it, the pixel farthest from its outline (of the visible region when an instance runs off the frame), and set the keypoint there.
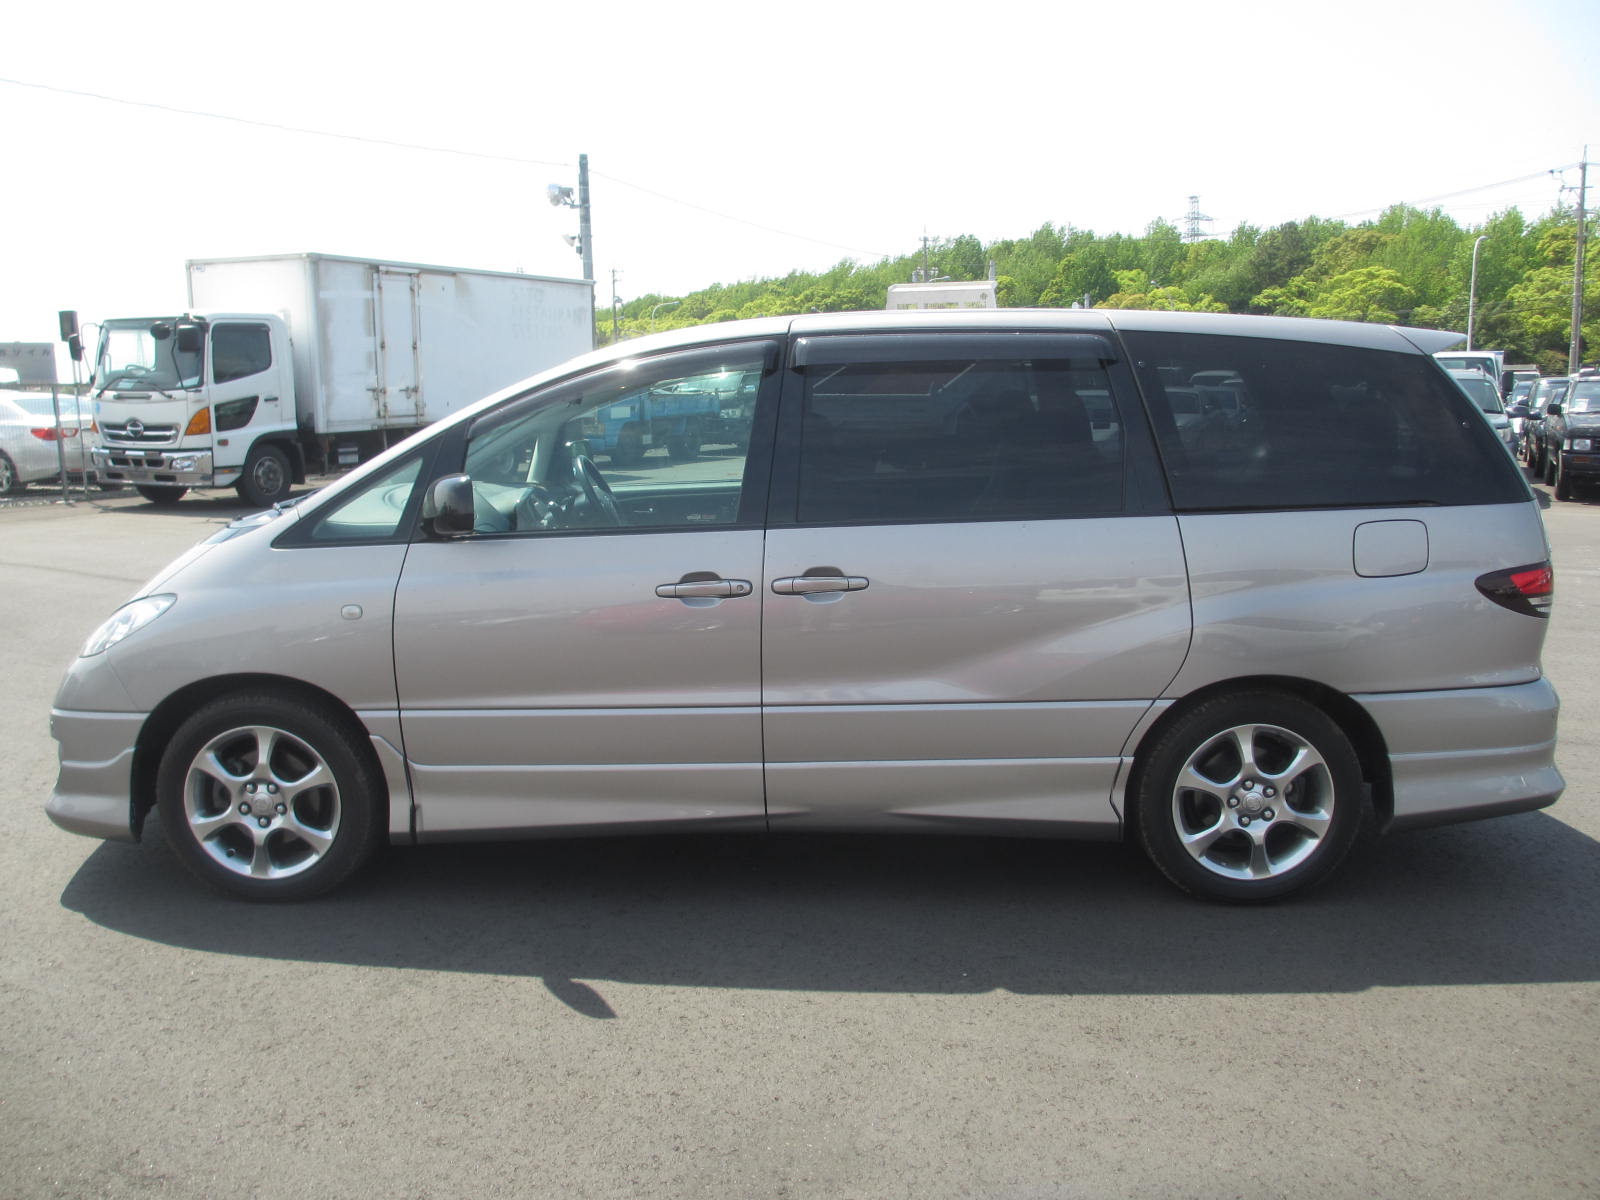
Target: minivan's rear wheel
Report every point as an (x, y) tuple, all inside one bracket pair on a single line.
[(1249, 796), (269, 796)]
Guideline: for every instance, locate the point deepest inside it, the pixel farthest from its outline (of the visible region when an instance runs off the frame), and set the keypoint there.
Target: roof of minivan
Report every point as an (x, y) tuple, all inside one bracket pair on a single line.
[(1300, 329)]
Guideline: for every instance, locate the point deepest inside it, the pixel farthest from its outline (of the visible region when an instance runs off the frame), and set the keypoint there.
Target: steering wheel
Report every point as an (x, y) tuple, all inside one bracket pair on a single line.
[(596, 491)]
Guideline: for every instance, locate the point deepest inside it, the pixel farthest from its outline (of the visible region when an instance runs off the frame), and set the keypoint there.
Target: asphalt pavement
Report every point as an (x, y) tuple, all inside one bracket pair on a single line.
[(801, 1017)]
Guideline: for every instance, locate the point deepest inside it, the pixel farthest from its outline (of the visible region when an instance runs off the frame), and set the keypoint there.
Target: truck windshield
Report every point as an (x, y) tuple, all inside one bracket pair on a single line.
[(130, 356)]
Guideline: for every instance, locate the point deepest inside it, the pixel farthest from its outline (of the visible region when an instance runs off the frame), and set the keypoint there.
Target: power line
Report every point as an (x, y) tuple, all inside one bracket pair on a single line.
[(1448, 195), (430, 149)]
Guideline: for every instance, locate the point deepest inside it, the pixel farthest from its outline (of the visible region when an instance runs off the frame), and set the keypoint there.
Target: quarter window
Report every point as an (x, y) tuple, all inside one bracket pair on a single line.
[(963, 439), (1258, 423)]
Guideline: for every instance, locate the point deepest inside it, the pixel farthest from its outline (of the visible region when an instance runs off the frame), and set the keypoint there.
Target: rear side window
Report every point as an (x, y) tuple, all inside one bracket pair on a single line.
[(1259, 423), (959, 439)]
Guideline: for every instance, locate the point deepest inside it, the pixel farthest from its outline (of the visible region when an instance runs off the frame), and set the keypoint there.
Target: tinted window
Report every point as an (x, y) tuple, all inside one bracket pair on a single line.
[(968, 439), (1286, 424), (238, 351)]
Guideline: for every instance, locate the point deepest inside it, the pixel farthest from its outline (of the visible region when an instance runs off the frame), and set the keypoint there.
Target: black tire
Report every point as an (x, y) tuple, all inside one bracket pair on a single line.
[(1276, 821), (247, 822), (163, 496), (1550, 470), (1563, 480), (267, 477), (10, 482), (629, 450), (684, 449)]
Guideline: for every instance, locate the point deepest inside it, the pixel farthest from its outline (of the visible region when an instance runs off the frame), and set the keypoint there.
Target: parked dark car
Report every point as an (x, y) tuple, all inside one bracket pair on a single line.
[(1533, 451), (1572, 435)]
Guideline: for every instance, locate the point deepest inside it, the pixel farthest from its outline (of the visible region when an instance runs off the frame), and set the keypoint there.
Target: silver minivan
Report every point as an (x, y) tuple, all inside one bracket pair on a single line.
[(1231, 587)]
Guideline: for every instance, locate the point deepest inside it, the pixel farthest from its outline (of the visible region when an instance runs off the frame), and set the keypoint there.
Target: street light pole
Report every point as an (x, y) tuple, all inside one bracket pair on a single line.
[(1472, 288), (663, 304), (1575, 350)]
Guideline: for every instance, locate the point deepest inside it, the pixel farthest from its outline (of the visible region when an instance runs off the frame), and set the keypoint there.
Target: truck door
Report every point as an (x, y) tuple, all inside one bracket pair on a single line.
[(399, 394), (245, 389)]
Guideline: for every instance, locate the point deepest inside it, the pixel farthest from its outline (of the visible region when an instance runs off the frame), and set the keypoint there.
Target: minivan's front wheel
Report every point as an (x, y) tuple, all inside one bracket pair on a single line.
[(1249, 796), (269, 796)]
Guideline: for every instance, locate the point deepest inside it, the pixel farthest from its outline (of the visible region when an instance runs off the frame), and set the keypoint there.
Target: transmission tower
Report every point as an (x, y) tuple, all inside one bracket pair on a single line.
[(1192, 221)]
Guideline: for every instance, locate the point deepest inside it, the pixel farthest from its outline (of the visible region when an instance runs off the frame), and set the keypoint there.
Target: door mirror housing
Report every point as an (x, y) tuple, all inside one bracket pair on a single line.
[(1552, 410), (449, 510), (191, 338), (1517, 410)]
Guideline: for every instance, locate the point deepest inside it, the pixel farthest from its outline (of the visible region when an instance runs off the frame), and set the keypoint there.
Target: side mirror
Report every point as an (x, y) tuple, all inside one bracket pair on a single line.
[(1517, 410), (1552, 410), (449, 508), (191, 338)]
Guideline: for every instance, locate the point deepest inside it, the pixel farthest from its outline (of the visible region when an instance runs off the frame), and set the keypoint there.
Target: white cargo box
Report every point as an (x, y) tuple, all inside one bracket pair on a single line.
[(387, 345)]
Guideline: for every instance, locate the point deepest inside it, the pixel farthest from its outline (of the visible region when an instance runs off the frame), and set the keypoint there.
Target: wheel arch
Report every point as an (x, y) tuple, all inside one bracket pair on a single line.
[(166, 717), (1372, 752)]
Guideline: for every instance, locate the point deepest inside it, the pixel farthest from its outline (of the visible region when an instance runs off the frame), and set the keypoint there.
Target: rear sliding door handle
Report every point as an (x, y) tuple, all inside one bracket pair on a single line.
[(704, 589), (811, 585)]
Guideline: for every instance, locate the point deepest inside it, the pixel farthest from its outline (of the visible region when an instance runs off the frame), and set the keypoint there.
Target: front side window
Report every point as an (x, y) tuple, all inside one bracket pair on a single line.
[(657, 444), (239, 351), (1263, 423), (959, 440)]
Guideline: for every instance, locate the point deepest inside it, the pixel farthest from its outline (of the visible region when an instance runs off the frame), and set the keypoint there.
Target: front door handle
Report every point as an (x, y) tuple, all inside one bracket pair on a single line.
[(810, 585), (704, 589)]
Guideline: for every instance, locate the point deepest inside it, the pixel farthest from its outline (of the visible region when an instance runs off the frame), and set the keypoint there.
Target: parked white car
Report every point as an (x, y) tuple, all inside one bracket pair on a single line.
[(29, 437)]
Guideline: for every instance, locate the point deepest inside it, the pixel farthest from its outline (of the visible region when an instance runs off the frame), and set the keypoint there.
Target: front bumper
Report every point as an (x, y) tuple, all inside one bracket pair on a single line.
[(94, 783), (163, 467), (1468, 753)]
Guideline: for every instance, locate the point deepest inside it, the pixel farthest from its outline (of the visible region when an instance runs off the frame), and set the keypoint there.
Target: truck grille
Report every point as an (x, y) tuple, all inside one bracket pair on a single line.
[(136, 433)]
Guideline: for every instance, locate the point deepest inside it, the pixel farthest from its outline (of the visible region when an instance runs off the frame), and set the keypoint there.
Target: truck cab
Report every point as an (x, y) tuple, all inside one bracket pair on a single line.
[(197, 401)]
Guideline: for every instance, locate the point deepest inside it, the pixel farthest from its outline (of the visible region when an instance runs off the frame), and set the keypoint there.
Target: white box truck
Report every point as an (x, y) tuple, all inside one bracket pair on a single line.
[(978, 293), (297, 362)]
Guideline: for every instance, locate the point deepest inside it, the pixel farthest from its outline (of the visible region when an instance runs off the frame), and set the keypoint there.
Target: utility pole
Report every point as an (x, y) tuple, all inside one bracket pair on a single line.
[(1575, 351), (585, 235), (616, 320)]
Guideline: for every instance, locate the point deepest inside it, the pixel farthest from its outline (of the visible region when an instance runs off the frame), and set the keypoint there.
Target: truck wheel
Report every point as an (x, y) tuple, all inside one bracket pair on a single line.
[(683, 449), (629, 450), (1550, 469), (10, 482), (270, 796), (266, 477), (160, 495)]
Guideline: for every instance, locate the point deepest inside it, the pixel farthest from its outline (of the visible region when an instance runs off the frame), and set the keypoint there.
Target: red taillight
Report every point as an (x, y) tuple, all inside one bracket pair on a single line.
[(50, 433), (1529, 590)]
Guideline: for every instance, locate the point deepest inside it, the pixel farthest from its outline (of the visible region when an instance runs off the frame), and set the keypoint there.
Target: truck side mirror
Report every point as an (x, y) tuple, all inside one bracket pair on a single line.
[(1552, 410), (1517, 410), (191, 339), (449, 508)]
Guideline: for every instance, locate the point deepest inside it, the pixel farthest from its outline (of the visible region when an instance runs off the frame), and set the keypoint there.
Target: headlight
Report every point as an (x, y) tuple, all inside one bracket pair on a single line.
[(1579, 443), (134, 615)]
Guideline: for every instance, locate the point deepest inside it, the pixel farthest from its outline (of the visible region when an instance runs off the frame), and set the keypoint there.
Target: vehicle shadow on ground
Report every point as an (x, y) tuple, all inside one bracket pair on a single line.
[(1504, 901)]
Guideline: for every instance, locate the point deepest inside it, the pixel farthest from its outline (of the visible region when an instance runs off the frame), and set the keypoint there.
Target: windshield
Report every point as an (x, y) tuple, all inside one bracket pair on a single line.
[(131, 356), (1585, 398)]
